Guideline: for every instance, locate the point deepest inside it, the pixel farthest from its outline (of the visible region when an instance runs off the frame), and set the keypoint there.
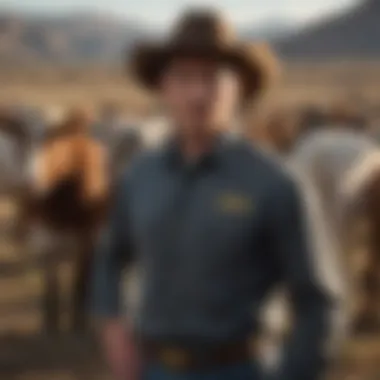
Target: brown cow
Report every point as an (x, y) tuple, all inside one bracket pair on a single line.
[(276, 130), (71, 170), (369, 318), (347, 115), (70, 192), (363, 187), (67, 194)]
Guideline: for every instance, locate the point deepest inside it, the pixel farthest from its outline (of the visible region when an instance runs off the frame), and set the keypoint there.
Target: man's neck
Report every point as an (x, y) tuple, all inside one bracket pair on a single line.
[(196, 146)]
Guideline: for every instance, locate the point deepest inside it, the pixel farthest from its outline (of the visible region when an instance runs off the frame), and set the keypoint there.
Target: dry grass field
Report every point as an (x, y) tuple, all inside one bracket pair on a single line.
[(299, 83), (25, 354)]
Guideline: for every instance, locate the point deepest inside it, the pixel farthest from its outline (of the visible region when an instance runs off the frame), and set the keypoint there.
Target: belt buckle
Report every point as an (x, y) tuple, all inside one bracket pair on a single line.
[(175, 358)]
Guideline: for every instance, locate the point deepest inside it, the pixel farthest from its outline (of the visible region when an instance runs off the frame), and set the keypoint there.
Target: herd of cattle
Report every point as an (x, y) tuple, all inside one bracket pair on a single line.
[(61, 170)]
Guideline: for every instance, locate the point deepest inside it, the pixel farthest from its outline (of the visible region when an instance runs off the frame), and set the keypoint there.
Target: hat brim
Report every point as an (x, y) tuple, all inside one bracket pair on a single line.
[(255, 63)]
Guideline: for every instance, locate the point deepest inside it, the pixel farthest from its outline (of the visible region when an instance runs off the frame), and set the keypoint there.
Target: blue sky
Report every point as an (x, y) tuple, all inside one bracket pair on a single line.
[(161, 12)]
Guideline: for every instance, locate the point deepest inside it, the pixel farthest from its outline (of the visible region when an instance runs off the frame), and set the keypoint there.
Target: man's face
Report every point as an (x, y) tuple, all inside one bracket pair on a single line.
[(200, 94)]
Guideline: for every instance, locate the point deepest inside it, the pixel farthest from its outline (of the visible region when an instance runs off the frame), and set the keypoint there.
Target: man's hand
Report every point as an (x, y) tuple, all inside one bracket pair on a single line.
[(120, 350)]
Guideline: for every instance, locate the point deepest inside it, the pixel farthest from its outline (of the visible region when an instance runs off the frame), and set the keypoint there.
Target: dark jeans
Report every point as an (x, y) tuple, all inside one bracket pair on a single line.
[(248, 371)]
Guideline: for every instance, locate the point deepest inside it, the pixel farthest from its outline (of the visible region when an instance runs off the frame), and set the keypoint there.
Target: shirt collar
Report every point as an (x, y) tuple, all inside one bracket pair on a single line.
[(211, 159)]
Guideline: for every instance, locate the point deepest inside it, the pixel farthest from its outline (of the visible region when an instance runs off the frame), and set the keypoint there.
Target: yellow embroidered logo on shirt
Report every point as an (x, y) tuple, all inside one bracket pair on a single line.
[(174, 358), (234, 203)]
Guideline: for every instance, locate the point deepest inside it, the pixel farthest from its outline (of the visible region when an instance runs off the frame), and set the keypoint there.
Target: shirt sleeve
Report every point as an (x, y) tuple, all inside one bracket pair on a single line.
[(113, 253), (303, 355)]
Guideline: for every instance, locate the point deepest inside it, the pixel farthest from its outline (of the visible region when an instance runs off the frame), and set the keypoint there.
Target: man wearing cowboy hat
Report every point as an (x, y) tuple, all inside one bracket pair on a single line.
[(217, 225)]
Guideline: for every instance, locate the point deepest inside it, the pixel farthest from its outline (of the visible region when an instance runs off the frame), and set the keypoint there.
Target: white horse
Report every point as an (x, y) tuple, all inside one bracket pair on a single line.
[(337, 163)]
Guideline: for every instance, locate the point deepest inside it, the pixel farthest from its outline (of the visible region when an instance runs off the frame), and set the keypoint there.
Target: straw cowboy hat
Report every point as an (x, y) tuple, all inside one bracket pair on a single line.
[(205, 34)]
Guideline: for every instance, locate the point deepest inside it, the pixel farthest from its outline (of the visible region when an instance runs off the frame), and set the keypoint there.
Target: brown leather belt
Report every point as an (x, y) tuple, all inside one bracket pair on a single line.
[(182, 359)]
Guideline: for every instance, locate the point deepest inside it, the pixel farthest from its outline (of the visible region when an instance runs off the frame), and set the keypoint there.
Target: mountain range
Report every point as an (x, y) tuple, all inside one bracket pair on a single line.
[(104, 38), (351, 34), (73, 38), (89, 37)]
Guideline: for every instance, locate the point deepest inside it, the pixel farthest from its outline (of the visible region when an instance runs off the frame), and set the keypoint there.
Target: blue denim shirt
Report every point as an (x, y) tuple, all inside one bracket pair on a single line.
[(213, 239)]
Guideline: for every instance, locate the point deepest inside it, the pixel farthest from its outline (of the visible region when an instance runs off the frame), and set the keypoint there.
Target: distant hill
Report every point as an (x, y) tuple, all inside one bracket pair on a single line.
[(270, 29), (73, 38), (86, 37), (353, 33)]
